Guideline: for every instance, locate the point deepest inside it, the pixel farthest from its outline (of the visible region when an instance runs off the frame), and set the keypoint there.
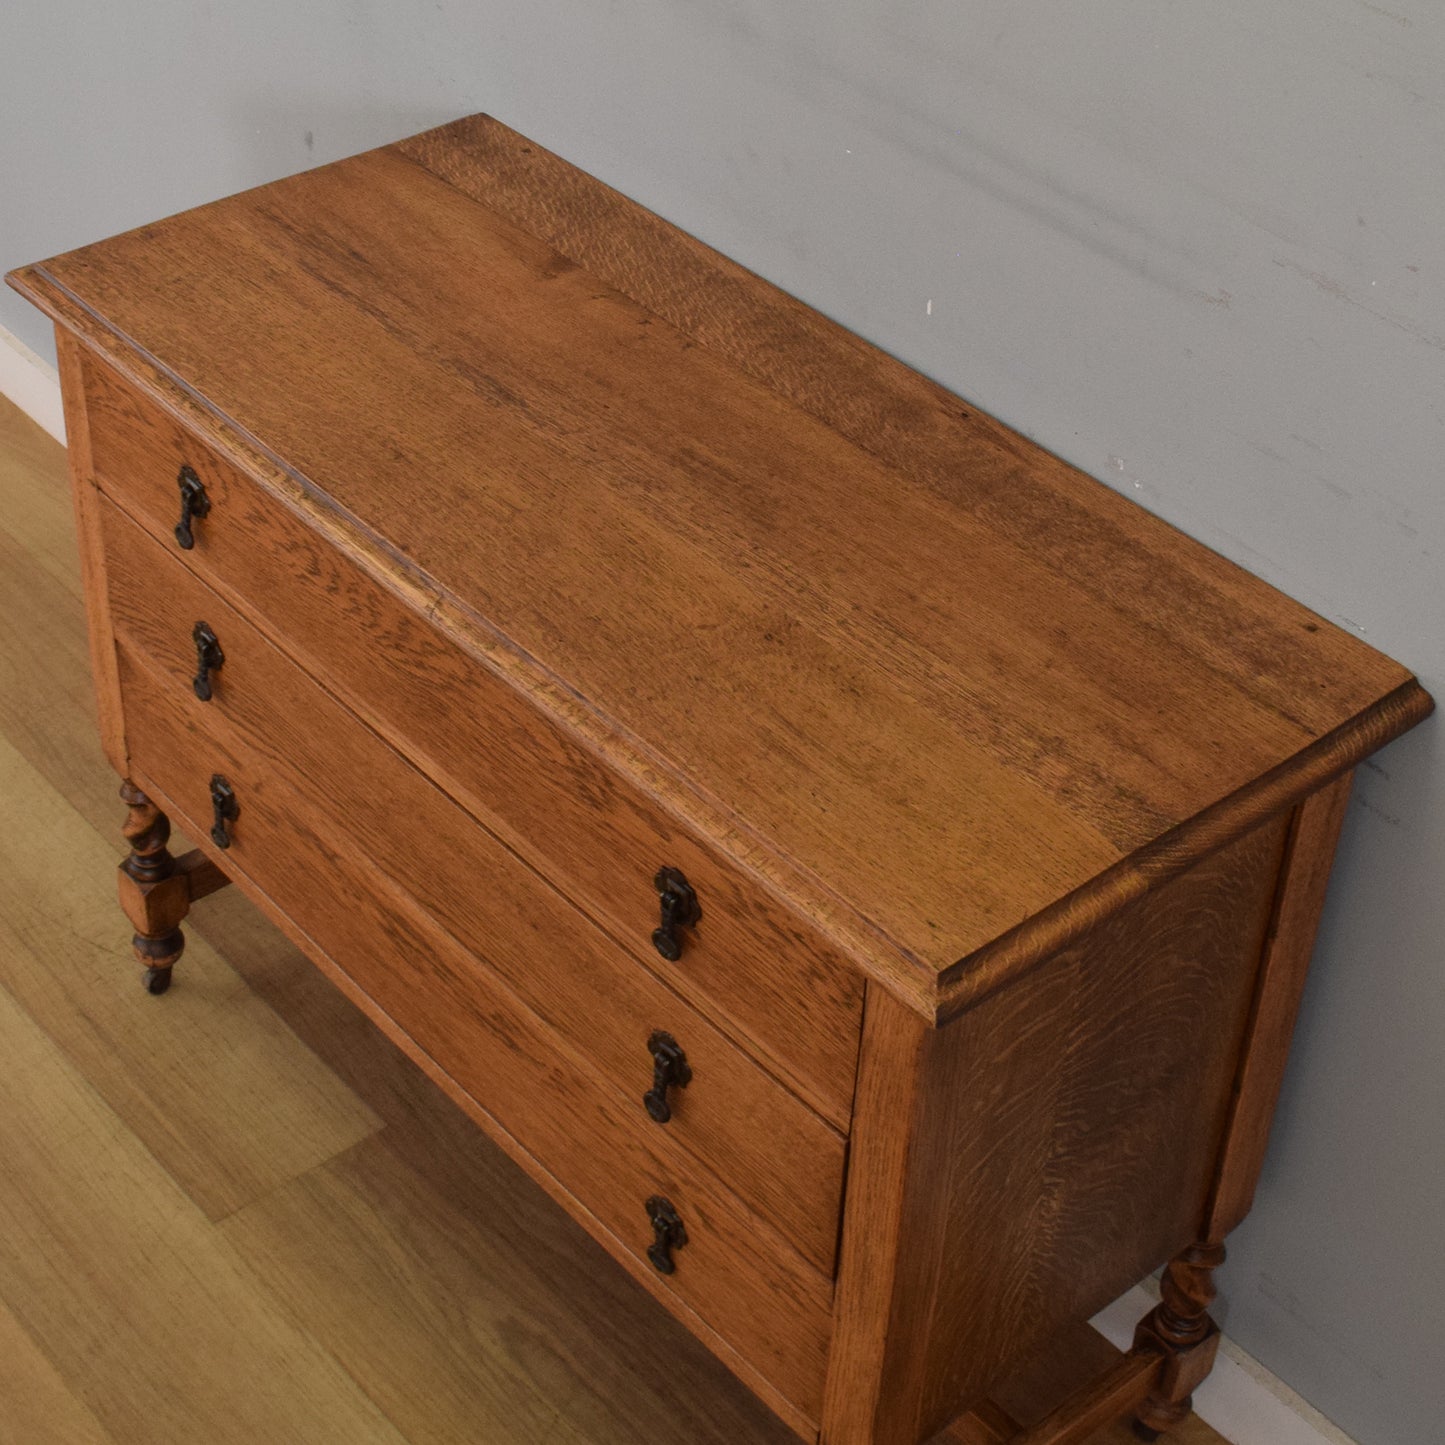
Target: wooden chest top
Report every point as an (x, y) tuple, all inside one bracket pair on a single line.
[(945, 693)]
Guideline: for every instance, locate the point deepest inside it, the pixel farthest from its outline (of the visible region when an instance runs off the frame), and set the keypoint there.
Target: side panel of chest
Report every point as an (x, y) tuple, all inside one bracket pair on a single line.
[(1025, 1164)]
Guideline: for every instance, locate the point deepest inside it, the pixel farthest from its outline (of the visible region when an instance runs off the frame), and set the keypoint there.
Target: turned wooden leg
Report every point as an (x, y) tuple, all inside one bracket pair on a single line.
[(1180, 1330), (156, 889), (152, 891)]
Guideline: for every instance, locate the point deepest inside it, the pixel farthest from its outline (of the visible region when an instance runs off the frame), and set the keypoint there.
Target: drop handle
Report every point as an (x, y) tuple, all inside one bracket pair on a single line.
[(209, 659), (667, 1234), (679, 910), (224, 809), (669, 1070), (195, 504)]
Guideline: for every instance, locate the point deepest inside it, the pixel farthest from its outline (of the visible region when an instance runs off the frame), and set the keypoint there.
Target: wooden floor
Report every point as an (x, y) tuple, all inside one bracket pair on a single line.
[(236, 1213)]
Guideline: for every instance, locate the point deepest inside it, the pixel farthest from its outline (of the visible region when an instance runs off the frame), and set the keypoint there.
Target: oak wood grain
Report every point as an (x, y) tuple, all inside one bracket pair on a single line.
[(895, 1241), (637, 1362), (1072, 1359), (1062, 1136), (758, 968), (202, 876), (771, 1148), (1064, 924), (604, 1363), (739, 1277), (152, 894), (421, 1260), (1305, 875), (493, 455), (1077, 1418), (1102, 542), (877, 1227), (92, 555), (964, 656)]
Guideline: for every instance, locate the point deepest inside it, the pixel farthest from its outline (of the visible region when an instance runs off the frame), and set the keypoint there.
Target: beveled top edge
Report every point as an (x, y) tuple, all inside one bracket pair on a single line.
[(937, 992), (1015, 953)]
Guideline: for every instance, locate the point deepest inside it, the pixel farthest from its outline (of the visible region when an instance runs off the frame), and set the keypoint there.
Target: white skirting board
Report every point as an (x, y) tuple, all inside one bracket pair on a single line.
[(1241, 1399), (31, 383)]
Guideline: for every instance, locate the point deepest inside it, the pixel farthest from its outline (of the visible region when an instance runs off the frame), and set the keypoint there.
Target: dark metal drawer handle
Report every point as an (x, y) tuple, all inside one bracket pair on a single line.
[(209, 659), (195, 504), (668, 1234), (669, 1070), (225, 809), (679, 910)]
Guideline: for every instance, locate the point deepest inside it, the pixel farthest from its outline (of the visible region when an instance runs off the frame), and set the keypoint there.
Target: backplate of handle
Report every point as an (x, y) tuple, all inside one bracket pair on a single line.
[(668, 1234), (680, 909), (195, 504), (209, 659), (224, 809), (670, 1070)]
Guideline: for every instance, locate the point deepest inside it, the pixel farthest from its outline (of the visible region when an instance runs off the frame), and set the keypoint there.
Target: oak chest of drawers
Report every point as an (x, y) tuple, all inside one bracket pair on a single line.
[(862, 867)]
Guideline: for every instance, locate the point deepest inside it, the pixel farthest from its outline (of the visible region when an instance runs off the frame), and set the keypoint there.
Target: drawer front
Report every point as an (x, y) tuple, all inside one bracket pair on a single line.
[(756, 967), (596, 1147), (784, 1160)]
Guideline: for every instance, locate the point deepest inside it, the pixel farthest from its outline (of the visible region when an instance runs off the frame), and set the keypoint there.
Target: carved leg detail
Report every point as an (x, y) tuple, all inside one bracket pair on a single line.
[(1180, 1330), (153, 892)]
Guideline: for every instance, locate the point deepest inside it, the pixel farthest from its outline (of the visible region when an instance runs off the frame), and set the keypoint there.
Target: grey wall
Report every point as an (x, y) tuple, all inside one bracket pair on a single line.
[(1195, 249)]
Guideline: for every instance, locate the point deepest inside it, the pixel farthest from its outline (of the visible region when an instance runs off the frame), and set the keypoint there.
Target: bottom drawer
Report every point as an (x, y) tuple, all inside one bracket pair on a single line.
[(733, 1273)]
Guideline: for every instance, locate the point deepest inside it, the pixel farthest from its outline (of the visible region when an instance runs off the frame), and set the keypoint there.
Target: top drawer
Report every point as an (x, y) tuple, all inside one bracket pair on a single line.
[(752, 962)]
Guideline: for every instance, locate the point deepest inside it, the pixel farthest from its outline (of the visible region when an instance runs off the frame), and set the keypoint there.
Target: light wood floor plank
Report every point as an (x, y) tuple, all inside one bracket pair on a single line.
[(46, 702), (37, 1407), (218, 1088), (121, 1281), (47, 707), (477, 1311), (35, 509)]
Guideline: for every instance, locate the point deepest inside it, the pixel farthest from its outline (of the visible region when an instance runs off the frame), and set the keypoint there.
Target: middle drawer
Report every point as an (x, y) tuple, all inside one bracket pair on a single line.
[(773, 1151)]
